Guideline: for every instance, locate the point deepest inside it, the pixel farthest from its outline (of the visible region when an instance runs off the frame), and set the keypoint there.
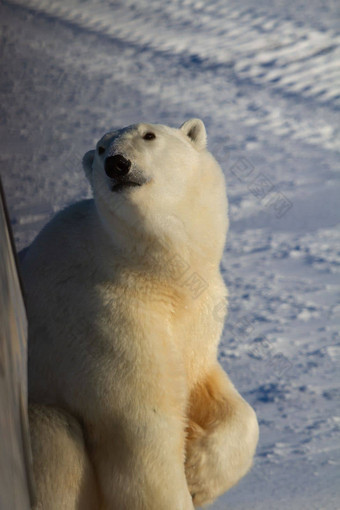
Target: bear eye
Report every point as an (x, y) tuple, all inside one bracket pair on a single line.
[(149, 136), (101, 150)]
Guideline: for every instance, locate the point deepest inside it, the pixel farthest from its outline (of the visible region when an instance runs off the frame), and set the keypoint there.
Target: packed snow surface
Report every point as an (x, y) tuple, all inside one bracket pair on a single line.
[(265, 78)]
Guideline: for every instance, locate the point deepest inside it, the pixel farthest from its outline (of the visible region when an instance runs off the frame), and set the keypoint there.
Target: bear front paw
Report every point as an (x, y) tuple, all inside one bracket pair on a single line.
[(199, 475)]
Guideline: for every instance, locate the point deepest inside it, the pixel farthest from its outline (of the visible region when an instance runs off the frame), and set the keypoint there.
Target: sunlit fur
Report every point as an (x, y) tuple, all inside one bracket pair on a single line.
[(135, 413)]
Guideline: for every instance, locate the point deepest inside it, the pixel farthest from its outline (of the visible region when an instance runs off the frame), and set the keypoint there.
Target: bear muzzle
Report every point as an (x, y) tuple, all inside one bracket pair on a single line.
[(117, 168)]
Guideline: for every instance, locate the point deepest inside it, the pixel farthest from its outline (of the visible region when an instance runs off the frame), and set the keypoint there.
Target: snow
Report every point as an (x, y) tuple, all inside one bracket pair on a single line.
[(264, 77)]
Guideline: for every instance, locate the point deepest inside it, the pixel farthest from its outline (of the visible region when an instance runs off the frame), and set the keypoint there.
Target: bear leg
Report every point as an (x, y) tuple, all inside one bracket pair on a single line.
[(64, 477), (222, 437)]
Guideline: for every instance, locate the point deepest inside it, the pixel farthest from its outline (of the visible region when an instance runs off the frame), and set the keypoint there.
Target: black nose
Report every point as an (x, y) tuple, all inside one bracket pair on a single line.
[(117, 166)]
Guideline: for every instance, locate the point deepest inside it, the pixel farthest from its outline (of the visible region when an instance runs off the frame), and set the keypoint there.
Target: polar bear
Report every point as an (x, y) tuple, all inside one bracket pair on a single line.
[(130, 409)]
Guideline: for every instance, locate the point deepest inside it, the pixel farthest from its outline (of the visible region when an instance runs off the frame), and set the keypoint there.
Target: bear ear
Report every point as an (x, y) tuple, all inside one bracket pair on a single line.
[(87, 163), (195, 130)]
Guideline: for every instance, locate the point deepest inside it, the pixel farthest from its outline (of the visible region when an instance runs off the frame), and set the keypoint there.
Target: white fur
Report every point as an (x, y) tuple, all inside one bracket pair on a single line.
[(122, 337)]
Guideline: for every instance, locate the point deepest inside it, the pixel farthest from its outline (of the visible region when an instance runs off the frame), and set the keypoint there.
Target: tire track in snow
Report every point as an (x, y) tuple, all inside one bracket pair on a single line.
[(278, 55), (260, 48)]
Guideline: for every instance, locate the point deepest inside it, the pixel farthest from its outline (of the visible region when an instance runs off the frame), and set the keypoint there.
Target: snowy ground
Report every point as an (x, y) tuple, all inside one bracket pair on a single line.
[(265, 78)]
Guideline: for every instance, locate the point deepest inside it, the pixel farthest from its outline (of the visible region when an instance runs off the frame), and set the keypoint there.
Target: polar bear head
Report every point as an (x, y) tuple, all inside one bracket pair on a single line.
[(154, 181)]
